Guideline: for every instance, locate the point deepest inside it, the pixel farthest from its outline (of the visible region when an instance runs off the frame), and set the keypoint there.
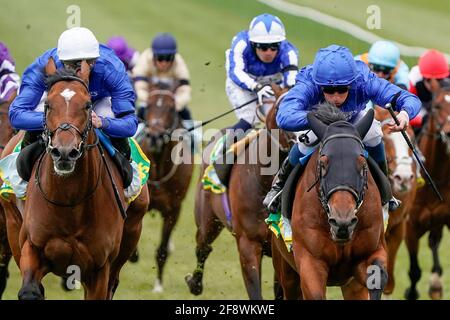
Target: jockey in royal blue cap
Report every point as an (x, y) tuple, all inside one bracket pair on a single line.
[(110, 88), (335, 77)]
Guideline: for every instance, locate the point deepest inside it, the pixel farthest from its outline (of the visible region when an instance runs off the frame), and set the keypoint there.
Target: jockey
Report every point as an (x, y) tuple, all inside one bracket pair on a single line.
[(126, 54), (9, 79), (258, 57), (335, 77), (433, 65), (384, 60), (163, 63), (111, 92)]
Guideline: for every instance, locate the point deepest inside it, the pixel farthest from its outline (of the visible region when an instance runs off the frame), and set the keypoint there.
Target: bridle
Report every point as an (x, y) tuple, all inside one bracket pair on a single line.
[(324, 195)]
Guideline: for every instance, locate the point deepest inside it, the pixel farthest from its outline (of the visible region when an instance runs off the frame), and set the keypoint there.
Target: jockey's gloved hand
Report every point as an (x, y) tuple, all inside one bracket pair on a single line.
[(403, 120), (263, 92)]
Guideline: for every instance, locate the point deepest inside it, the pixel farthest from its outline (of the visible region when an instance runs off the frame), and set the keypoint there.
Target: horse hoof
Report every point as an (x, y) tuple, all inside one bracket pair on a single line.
[(195, 287), (30, 292), (435, 290), (158, 288), (134, 257), (411, 294)]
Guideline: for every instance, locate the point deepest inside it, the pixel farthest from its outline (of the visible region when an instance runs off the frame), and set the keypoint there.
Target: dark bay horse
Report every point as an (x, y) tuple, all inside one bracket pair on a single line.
[(402, 176), (337, 223), (6, 133), (171, 165), (71, 221), (249, 183), (427, 212)]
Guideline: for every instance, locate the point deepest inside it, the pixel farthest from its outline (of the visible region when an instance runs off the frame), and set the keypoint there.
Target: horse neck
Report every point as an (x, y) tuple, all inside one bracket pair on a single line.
[(163, 159), (434, 150)]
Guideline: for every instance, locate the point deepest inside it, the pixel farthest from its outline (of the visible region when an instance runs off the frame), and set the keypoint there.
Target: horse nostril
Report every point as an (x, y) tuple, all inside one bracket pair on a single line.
[(55, 153), (411, 177), (397, 177), (74, 154), (353, 221), (333, 222)]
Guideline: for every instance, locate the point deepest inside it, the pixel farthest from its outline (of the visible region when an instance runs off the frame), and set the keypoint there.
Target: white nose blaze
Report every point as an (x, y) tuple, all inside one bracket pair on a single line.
[(67, 94), (403, 174)]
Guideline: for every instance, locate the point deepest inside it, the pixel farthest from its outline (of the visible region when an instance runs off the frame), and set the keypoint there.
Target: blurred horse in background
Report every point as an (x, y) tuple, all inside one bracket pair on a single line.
[(171, 165), (6, 133), (427, 212), (240, 208), (402, 176)]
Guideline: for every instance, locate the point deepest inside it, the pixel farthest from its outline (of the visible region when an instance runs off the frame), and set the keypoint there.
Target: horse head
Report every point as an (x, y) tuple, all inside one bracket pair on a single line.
[(341, 167), (401, 167), (67, 116), (162, 118), (440, 113)]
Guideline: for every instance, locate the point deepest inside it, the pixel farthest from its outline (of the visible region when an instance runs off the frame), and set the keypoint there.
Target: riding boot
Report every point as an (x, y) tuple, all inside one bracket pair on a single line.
[(30, 137), (123, 146), (394, 203), (272, 201), (225, 159)]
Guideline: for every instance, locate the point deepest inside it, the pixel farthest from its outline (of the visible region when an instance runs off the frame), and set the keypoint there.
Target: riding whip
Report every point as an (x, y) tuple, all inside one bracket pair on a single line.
[(221, 115), (390, 108)]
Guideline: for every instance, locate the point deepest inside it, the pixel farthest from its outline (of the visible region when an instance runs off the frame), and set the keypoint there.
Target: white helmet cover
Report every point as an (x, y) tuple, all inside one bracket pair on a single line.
[(266, 28), (77, 44)]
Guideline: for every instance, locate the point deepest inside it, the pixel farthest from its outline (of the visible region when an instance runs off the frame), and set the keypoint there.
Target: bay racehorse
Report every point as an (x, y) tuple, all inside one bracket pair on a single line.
[(402, 176), (250, 180), (71, 220), (6, 133), (172, 165), (427, 212), (337, 223)]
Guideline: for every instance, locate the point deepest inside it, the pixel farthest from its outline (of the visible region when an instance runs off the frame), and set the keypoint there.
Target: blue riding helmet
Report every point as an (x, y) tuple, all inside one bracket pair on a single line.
[(164, 43), (334, 66), (384, 53)]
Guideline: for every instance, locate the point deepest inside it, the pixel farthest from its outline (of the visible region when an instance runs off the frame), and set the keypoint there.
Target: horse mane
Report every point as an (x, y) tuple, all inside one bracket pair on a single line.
[(60, 74), (328, 113)]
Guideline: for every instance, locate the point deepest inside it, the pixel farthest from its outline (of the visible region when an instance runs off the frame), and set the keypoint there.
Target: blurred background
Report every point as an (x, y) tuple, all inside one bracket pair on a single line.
[(204, 30)]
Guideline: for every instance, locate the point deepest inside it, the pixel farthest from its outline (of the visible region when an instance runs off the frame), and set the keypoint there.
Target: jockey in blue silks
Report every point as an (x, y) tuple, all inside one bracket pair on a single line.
[(111, 91), (335, 77)]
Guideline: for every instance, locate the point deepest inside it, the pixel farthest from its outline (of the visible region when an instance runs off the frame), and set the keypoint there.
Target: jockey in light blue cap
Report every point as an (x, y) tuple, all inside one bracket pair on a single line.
[(384, 60), (335, 77)]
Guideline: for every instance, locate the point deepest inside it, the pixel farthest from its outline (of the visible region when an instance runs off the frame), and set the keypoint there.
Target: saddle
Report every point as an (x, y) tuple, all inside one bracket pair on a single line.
[(288, 194), (31, 153)]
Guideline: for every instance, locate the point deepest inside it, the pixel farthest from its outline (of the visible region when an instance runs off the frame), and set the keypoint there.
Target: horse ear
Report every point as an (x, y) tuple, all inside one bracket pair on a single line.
[(84, 71), (365, 123), (50, 68), (317, 126)]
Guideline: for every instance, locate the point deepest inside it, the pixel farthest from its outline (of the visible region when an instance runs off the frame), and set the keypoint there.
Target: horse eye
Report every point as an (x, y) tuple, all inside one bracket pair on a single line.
[(88, 105)]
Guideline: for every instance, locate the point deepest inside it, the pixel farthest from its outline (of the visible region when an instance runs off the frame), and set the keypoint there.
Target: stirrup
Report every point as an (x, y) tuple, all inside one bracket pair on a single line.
[(394, 204)]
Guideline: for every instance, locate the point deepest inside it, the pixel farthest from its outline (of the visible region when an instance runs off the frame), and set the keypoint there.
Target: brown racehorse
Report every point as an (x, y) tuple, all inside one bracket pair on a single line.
[(248, 185), (337, 223), (172, 165), (71, 219), (402, 176), (6, 132), (427, 212)]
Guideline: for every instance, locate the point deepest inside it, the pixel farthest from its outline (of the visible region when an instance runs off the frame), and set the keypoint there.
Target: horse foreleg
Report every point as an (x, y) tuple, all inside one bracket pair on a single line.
[(354, 290), (206, 234), (434, 239), (5, 253), (393, 241), (286, 276), (412, 244), (250, 255), (96, 284), (170, 219), (313, 275), (32, 270)]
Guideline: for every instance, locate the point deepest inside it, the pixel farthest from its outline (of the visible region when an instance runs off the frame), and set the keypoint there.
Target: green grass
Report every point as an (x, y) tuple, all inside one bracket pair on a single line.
[(204, 29), (414, 23)]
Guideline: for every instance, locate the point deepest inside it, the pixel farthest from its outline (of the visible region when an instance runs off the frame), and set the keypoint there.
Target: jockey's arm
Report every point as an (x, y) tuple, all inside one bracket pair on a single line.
[(401, 77), (141, 73), (293, 109), (21, 114), (122, 100), (382, 92), (183, 92), (289, 61), (236, 66)]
